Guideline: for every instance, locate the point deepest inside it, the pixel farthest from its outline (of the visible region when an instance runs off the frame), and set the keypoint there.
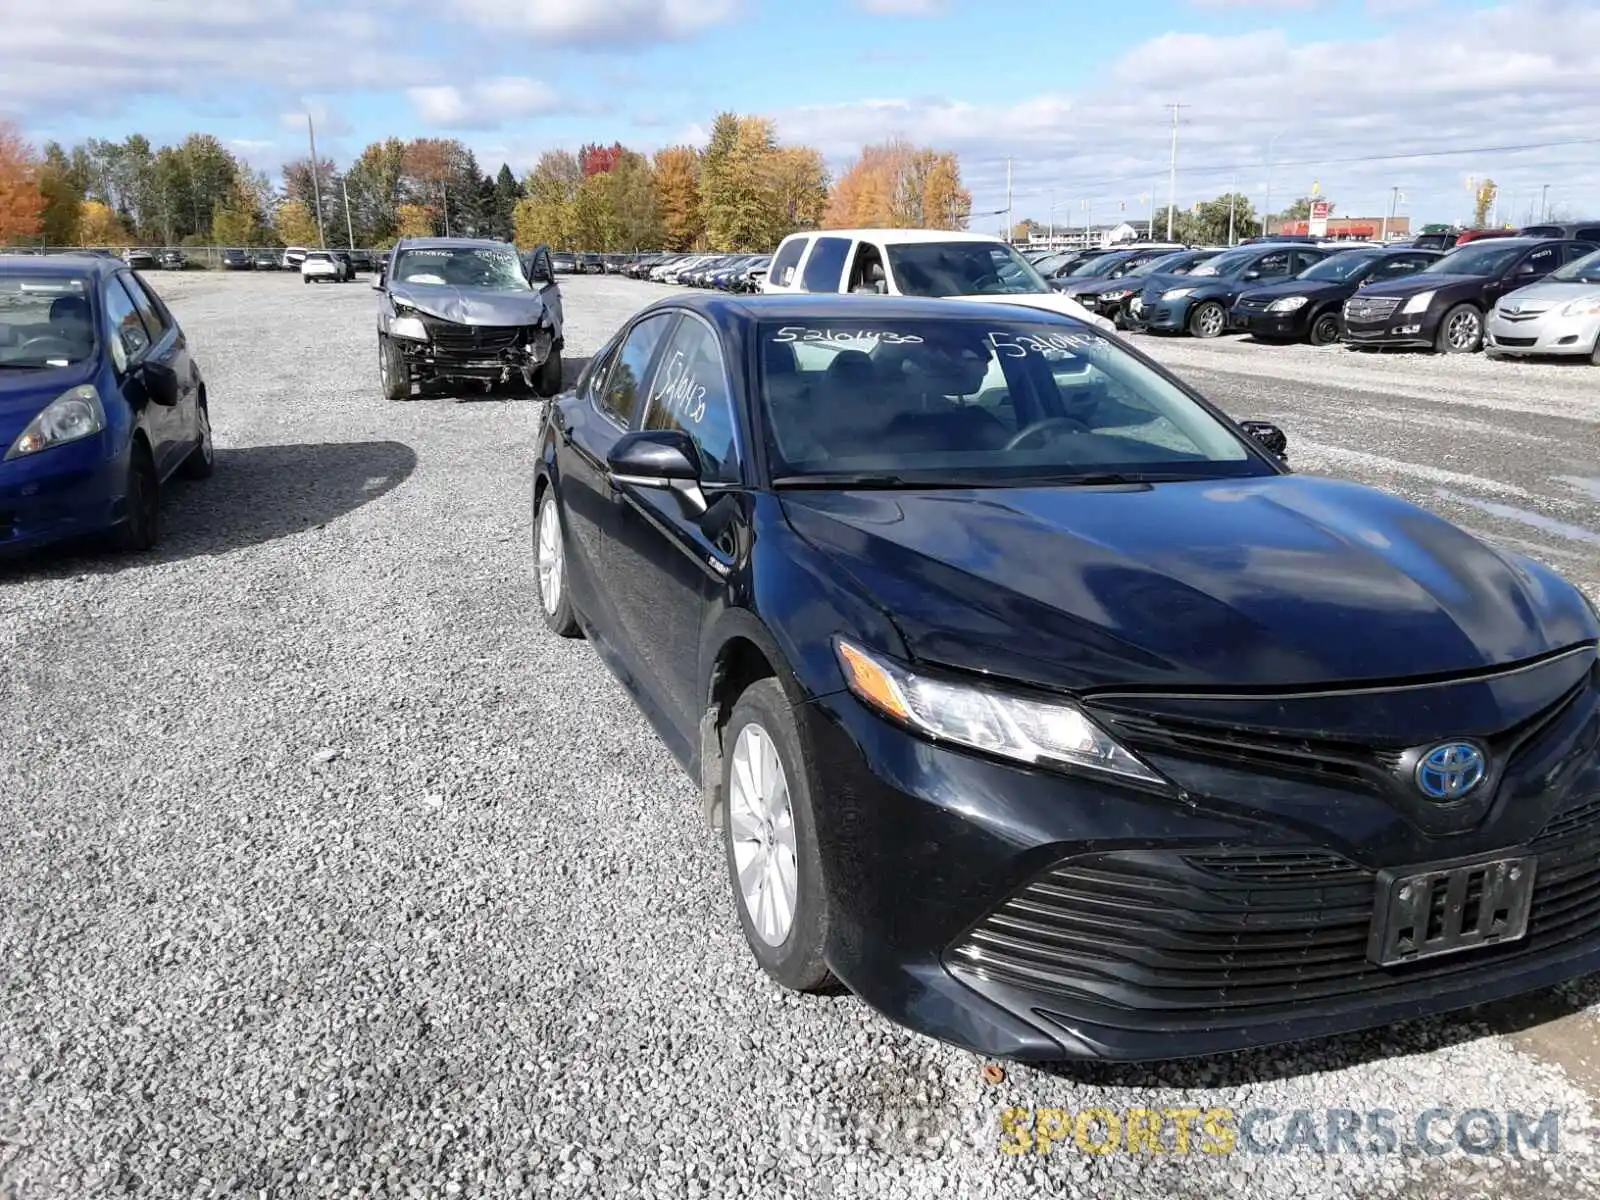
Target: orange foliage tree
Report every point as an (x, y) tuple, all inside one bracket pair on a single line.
[(897, 185), (21, 201)]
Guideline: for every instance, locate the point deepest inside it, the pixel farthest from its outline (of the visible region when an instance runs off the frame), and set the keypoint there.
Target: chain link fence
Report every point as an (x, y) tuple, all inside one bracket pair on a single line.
[(184, 258)]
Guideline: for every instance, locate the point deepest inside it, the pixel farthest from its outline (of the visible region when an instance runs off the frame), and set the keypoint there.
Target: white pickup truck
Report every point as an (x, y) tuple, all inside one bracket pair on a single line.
[(915, 262)]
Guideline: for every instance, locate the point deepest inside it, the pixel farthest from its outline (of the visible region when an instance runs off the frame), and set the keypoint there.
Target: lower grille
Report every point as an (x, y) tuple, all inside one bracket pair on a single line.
[(1251, 306), (1154, 935), (485, 340), (1516, 341)]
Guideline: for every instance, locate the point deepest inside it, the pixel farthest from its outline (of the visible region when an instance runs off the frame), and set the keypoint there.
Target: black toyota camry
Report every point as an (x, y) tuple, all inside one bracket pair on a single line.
[(1044, 707)]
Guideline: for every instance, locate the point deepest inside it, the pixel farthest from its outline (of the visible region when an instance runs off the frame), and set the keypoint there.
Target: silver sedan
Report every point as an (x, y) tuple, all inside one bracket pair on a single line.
[(1559, 315)]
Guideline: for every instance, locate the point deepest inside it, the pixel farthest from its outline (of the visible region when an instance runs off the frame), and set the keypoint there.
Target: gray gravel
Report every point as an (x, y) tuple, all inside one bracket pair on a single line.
[(327, 872)]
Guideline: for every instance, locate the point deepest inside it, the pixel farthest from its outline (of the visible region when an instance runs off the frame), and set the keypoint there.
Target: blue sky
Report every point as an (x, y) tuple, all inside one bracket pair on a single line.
[(1073, 93)]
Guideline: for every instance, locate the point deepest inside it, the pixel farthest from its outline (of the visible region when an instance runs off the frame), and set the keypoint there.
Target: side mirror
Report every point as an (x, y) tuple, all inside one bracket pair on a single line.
[(661, 459), (1251, 274), (160, 384), (1268, 436)]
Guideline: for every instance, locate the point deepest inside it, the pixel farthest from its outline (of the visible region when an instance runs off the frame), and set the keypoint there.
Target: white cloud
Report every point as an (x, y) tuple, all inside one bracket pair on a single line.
[(1260, 5), (1506, 76), (485, 104), (905, 8), (602, 24)]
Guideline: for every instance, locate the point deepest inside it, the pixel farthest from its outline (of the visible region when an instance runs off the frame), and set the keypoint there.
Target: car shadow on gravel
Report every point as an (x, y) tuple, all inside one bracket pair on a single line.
[(1423, 1035), (258, 494)]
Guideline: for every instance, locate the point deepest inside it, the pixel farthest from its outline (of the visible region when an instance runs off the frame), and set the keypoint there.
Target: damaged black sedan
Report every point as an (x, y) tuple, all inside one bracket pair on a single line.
[(468, 310)]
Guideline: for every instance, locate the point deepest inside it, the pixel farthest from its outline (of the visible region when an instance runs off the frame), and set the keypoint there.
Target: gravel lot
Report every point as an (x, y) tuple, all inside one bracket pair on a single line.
[(328, 872)]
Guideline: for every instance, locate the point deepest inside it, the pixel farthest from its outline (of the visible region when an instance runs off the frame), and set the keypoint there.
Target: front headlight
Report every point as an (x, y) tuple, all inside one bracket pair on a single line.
[(1584, 306), (1120, 295), (408, 327), (1176, 293), (1418, 303), (1040, 731), (1287, 304), (74, 414)]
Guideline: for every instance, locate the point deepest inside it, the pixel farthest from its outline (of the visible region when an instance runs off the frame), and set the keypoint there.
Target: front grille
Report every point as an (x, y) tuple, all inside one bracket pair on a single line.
[(1141, 936), (1516, 341), (1522, 314), (1371, 308), (1247, 305), (481, 340)]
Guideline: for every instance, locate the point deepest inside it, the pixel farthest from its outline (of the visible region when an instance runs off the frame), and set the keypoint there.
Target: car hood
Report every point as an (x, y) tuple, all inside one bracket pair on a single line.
[(1048, 302), (1538, 296), (1096, 287), (471, 306), (1422, 281), (1294, 287), (1278, 581), (24, 393)]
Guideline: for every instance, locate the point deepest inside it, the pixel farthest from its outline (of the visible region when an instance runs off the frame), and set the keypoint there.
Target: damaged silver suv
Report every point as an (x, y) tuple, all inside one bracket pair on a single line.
[(465, 309)]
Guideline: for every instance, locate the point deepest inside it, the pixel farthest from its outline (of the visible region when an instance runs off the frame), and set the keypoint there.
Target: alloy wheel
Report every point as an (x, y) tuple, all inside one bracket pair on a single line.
[(552, 560), (1210, 321), (761, 821), (1464, 330)]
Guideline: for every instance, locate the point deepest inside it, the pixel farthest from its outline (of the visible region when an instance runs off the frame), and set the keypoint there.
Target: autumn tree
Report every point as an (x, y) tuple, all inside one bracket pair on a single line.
[(800, 189), (62, 190), (295, 224), (596, 160), (1482, 201), (897, 185), (677, 187), (236, 220), (99, 225), (545, 212), (21, 201), (413, 221)]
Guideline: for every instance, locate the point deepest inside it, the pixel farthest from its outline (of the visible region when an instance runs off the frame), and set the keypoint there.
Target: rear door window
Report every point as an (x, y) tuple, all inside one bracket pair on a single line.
[(825, 264), (1540, 261), (784, 262)]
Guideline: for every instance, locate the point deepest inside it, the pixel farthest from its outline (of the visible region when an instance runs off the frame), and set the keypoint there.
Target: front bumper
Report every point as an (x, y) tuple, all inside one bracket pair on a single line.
[(63, 492), (1031, 915), (490, 353), (1409, 330), (1266, 324), (1548, 333), (1166, 316)]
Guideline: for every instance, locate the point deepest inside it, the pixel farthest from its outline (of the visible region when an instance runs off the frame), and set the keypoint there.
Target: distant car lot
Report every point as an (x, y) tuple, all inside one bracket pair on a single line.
[(353, 872)]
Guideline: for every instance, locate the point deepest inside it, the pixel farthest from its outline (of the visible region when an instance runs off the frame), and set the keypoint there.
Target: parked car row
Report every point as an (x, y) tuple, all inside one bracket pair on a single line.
[(167, 258), (568, 262)]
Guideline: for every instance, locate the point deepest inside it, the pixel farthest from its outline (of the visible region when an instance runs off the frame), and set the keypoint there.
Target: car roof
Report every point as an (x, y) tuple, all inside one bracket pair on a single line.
[(776, 306), (449, 243), (58, 264), (904, 235)]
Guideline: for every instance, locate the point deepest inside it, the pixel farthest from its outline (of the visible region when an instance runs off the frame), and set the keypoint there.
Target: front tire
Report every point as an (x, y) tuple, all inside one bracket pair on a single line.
[(770, 840), (141, 528), (1208, 320), (393, 373), (1325, 329), (1461, 331), (550, 559), (547, 382)]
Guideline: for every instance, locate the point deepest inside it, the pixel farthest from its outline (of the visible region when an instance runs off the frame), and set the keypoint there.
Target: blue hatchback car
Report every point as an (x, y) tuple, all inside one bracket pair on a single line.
[(100, 403), (1198, 303)]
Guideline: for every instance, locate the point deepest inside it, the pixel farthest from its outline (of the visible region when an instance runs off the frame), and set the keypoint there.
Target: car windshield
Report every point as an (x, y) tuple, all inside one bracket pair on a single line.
[(1582, 270), (462, 266), (962, 269), (1099, 266), (1226, 264), (1180, 263), (1488, 257), (1336, 268), (45, 321), (982, 402)]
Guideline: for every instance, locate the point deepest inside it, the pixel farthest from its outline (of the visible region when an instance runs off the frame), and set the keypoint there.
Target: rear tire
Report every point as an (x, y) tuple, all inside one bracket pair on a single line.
[(141, 528), (770, 840), (393, 373), (1208, 320), (1594, 355), (1325, 329), (202, 459), (1461, 331)]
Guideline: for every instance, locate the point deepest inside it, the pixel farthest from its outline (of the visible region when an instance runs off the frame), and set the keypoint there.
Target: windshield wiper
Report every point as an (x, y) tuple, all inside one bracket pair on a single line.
[(845, 479)]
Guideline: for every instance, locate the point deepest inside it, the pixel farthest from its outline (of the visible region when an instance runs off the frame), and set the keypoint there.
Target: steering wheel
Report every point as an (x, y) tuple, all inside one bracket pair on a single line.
[(1039, 427), (50, 345)]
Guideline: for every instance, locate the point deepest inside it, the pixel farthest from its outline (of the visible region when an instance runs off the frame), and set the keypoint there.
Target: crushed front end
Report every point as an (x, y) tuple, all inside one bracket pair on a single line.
[(492, 354)]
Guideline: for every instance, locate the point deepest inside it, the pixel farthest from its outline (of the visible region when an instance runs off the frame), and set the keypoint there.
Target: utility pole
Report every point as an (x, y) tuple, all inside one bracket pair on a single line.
[(1394, 199), (316, 182), (1544, 203), (445, 192), (1233, 201), (1008, 200), (1266, 215), (350, 230), (1172, 173)]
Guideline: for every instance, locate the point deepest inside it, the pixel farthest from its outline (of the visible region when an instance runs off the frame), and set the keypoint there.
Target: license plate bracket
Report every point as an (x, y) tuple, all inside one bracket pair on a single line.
[(1449, 909)]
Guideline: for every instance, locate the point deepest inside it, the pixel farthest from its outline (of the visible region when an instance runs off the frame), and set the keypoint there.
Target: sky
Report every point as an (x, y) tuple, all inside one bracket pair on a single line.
[(1277, 95)]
